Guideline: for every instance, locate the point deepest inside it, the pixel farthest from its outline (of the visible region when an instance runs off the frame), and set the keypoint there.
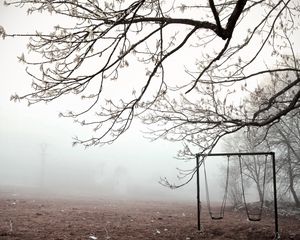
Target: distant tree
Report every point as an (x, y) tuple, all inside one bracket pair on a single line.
[(255, 169), (199, 59), (235, 196), (285, 138), (282, 137), (43, 148)]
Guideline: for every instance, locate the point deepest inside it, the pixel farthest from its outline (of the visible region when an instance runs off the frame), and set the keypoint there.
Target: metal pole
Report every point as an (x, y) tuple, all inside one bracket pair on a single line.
[(275, 197), (198, 191)]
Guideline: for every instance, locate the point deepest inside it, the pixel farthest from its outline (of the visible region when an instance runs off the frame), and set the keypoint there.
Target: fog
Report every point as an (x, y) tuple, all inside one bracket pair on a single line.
[(125, 169), (36, 152), (36, 146)]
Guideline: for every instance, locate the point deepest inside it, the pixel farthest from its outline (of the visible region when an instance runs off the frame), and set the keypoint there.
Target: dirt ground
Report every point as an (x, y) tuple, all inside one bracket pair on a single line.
[(28, 218)]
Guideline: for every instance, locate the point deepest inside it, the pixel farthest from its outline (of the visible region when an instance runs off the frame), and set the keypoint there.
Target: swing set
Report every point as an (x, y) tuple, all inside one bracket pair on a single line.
[(250, 215)]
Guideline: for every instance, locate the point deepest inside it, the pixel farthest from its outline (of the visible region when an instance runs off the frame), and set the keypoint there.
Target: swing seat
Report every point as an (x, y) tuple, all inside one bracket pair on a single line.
[(216, 218), (254, 217)]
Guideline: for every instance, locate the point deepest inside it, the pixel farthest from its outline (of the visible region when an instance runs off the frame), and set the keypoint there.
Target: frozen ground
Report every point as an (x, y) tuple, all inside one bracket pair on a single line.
[(28, 217)]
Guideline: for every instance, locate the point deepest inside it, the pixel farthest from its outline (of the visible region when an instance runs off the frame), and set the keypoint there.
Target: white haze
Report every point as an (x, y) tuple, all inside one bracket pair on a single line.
[(36, 150), (35, 145)]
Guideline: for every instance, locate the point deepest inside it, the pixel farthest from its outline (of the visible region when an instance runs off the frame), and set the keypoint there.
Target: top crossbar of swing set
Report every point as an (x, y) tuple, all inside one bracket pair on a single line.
[(272, 154), (233, 154)]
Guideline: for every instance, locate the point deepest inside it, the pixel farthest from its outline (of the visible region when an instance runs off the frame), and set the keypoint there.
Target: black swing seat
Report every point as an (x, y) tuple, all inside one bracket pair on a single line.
[(220, 217), (216, 218), (254, 218)]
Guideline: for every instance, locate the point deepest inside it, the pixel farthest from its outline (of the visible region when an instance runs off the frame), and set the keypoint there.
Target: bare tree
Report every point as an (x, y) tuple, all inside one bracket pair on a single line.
[(284, 137), (218, 48), (234, 185), (43, 148), (255, 169)]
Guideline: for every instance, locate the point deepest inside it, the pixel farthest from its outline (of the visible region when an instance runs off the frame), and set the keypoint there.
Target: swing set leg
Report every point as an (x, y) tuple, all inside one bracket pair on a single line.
[(198, 193)]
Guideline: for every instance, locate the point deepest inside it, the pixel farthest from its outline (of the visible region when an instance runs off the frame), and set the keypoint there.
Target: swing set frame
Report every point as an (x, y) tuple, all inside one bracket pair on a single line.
[(272, 154)]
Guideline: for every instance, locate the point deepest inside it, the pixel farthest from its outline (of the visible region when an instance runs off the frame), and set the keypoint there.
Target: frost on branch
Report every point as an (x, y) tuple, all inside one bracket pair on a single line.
[(2, 32)]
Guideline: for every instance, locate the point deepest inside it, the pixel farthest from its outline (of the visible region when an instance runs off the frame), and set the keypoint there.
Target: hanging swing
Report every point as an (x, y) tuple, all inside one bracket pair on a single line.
[(253, 216), (220, 215)]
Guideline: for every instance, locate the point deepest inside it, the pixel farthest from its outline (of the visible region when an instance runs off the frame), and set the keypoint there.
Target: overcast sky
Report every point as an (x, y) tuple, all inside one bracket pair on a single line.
[(130, 163)]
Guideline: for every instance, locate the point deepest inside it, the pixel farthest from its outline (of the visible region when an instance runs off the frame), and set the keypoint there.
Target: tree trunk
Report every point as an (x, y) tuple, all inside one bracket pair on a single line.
[(290, 169), (291, 178), (260, 192), (294, 194)]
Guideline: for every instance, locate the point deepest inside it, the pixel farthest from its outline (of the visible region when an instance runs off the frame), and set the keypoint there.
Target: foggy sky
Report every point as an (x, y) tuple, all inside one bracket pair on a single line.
[(129, 168), (131, 165)]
